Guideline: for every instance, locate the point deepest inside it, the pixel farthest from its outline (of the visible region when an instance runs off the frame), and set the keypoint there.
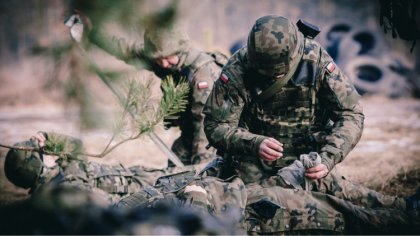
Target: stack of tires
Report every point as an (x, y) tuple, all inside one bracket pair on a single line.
[(365, 59)]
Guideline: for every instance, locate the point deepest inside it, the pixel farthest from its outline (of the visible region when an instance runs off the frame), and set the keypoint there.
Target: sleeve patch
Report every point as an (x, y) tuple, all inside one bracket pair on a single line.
[(330, 67), (202, 85), (224, 78)]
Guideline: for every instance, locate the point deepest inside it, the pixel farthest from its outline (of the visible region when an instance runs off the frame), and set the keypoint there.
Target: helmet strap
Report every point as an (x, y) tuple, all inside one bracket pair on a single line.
[(280, 83)]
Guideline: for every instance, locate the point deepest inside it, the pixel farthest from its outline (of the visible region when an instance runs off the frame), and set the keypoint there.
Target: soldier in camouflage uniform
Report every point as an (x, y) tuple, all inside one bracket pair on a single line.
[(75, 211), (281, 96), (38, 171), (270, 210), (167, 51), (224, 199)]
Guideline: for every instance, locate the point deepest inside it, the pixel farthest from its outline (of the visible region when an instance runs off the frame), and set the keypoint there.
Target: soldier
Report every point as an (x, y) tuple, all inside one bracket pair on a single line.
[(75, 211), (271, 210), (38, 171), (167, 51), (279, 97), (224, 199)]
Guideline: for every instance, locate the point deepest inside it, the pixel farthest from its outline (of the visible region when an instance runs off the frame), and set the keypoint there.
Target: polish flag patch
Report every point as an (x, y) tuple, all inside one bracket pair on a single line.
[(331, 67), (202, 85), (224, 78)]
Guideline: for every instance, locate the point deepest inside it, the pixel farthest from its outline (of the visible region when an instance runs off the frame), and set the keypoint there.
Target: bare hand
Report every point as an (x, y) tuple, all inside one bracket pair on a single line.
[(270, 149), (40, 137), (317, 172)]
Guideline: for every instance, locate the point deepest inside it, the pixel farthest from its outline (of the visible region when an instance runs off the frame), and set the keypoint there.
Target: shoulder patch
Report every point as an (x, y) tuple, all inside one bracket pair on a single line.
[(224, 78), (202, 85), (331, 67)]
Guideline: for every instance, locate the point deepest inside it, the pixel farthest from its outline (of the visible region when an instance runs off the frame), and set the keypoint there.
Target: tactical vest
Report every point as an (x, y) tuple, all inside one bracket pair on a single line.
[(289, 115)]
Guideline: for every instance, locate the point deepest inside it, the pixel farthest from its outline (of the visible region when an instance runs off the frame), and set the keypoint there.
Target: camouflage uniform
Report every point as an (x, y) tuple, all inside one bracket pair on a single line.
[(220, 198), (315, 109), (75, 211), (277, 210), (199, 68), (108, 182), (270, 210)]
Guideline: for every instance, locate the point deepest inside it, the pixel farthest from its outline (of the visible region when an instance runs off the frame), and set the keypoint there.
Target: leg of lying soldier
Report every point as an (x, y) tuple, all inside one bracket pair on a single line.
[(284, 211), (336, 185), (276, 210), (358, 194), (378, 220)]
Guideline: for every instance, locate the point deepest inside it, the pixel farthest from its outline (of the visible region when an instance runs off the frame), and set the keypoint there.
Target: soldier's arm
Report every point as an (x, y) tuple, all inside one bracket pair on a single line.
[(130, 52), (340, 99), (203, 81), (223, 110)]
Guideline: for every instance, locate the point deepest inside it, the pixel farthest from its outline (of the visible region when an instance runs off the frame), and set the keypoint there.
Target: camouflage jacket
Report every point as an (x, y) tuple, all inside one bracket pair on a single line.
[(199, 68), (112, 181), (318, 94)]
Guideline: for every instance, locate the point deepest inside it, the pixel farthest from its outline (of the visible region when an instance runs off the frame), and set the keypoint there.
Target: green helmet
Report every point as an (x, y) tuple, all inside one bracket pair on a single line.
[(23, 168), (275, 46), (166, 41)]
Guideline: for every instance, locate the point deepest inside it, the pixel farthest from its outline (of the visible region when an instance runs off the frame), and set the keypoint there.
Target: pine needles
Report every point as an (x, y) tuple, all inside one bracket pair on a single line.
[(139, 115)]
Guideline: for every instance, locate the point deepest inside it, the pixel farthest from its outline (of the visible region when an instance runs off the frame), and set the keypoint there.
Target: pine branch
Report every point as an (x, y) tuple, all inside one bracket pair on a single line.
[(137, 107)]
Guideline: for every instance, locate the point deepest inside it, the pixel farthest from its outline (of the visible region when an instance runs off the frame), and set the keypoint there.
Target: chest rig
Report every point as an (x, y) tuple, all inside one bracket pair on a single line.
[(289, 114)]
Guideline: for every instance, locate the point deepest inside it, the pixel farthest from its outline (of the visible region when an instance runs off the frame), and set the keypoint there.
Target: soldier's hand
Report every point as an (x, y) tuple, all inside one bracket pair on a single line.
[(270, 149), (40, 138), (317, 172), (79, 24)]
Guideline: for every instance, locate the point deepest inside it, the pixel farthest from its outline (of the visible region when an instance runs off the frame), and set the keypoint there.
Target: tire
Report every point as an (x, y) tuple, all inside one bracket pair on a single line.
[(372, 76)]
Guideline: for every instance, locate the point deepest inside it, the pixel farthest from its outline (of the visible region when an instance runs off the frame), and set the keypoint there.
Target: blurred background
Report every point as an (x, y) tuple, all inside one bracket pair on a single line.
[(45, 83)]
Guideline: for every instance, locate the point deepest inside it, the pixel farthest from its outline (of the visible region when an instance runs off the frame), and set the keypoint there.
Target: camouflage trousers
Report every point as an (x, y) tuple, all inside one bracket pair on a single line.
[(332, 199), (278, 210), (333, 184)]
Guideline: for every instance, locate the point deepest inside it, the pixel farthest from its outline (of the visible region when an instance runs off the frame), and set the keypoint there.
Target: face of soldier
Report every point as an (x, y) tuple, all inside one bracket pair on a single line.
[(168, 62)]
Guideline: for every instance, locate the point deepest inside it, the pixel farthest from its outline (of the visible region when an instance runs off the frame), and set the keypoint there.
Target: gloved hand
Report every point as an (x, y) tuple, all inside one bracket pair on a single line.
[(293, 175), (80, 26)]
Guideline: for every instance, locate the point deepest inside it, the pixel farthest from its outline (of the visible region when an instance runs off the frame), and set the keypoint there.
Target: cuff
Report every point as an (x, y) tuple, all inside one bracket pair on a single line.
[(255, 147), (327, 160)]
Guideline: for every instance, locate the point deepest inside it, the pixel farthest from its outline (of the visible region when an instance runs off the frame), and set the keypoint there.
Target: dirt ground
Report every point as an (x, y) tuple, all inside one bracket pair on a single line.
[(387, 158)]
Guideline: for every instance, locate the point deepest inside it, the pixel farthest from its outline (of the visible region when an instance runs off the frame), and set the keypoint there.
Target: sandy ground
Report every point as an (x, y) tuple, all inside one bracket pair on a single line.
[(387, 157)]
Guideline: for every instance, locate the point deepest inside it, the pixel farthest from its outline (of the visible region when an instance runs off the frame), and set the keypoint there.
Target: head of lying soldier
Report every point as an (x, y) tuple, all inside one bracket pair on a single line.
[(28, 168), (166, 46)]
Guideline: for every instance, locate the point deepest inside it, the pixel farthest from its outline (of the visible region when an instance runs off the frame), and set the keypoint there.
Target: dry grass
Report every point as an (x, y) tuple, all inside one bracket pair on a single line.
[(389, 148)]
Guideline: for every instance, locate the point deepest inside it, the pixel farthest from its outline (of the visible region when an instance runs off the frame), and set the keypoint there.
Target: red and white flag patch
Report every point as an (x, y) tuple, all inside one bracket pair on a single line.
[(224, 78), (330, 67), (202, 85)]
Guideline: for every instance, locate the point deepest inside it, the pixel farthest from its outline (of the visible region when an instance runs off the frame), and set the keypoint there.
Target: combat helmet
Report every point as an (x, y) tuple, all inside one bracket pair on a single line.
[(23, 168), (275, 46), (165, 41)]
